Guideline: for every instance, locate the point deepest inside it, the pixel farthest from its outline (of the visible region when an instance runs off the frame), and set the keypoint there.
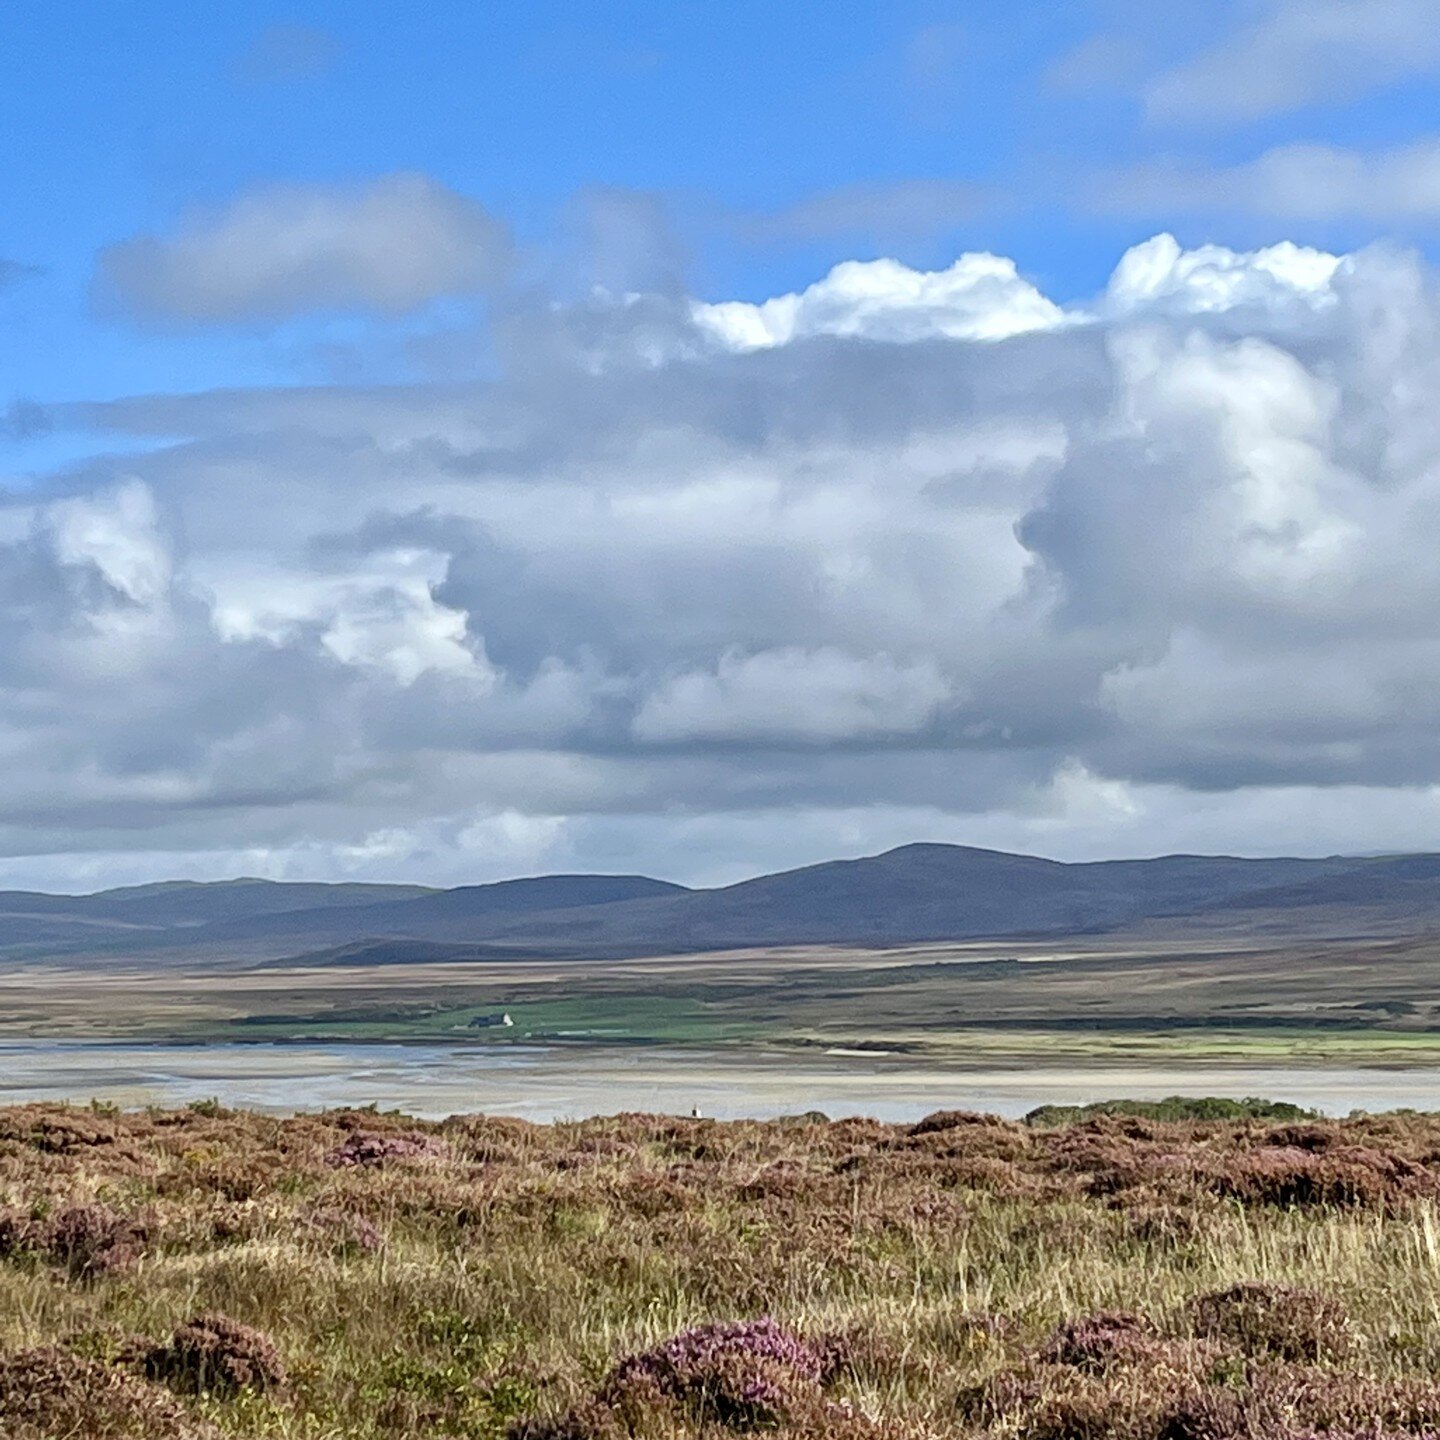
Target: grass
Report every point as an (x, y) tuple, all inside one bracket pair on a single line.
[(483, 1277), (1346, 1003), (635, 1019)]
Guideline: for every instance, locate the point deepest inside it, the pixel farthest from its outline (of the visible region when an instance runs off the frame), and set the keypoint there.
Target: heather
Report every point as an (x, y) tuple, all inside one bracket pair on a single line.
[(1116, 1274)]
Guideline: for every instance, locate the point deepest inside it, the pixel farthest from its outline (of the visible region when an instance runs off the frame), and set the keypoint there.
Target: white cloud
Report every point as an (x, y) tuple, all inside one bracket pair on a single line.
[(383, 616), (1158, 277), (1297, 53), (407, 634), (980, 297), (116, 533), (393, 244)]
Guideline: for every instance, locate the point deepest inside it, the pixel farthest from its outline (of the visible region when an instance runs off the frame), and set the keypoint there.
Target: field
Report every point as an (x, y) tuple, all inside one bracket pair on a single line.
[(1127, 1276), (1371, 1002)]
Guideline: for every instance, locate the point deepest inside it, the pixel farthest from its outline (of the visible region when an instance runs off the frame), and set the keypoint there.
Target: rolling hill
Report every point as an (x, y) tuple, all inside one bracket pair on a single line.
[(922, 892)]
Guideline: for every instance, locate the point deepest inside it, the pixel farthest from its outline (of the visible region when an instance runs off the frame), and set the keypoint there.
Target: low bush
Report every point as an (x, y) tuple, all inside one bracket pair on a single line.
[(365, 1148), (91, 1240), (52, 1394), (215, 1355), (1172, 1109), (1273, 1321)]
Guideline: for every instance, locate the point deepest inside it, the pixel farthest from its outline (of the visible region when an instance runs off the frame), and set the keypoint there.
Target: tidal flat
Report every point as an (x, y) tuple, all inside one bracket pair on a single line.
[(568, 1082)]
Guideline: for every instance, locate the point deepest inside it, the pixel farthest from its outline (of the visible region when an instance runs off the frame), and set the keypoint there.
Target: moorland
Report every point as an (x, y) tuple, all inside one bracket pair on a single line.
[(1086, 1000), (1200, 1271), (941, 953)]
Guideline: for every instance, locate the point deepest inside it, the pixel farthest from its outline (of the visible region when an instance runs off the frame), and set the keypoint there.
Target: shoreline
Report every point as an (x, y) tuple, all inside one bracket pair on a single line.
[(543, 1082)]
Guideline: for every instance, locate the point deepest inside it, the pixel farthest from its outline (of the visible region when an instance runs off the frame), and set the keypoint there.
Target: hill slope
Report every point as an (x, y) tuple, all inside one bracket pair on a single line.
[(911, 894)]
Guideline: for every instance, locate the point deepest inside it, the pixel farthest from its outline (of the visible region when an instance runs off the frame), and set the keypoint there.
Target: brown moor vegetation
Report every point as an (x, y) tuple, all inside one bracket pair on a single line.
[(203, 1273)]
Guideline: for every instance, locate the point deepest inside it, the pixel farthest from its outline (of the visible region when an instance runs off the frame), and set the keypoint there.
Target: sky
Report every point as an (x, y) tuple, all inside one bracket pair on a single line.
[(454, 442)]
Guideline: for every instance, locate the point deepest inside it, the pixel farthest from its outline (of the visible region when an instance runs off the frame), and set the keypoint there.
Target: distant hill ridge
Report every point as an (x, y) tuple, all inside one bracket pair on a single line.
[(916, 893)]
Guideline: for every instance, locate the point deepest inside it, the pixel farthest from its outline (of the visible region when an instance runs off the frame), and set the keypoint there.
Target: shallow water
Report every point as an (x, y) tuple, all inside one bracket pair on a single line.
[(546, 1083)]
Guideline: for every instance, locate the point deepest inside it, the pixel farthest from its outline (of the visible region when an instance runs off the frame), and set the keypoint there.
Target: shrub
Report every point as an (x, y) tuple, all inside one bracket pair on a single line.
[(740, 1373), (91, 1240), (366, 1148), (55, 1395), (213, 1354), (1277, 1321), (1173, 1108), (941, 1120), (19, 1235), (1101, 1341), (1339, 1175)]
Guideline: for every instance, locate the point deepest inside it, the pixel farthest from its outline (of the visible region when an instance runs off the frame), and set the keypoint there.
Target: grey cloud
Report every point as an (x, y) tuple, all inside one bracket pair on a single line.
[(25, 419), (1288, 183), (391, 245), (1036, 588), (1298, 53), (886, 210), (629, 244)]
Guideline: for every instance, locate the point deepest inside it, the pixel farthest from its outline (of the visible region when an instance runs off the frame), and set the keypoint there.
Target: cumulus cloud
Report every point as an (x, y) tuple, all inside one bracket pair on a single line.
[(1159, 277), (115, 534), (382, 614), (392, 245), (904, 555), (1297, 53), (980, 297), (1289, 183)]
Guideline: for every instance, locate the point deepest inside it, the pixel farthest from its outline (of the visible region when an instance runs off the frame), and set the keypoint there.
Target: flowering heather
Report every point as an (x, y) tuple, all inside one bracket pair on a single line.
[(742, 1373), (1122, 1277), (1273, 1320), (942, 1120), (213, 1354), (1100, 1342), (365, 1148), (89, 1240), (51, 1394)]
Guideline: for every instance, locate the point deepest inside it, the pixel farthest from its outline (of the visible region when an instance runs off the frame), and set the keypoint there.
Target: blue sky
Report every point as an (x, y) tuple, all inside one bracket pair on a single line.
[(120, 119), (446, 442)]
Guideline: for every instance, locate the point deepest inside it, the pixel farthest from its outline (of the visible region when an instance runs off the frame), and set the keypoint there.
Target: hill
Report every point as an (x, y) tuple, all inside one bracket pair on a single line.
[(916, 893)]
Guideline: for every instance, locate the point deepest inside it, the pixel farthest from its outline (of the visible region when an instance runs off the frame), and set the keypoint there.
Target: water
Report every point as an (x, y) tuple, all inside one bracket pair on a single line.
[(559, 1082)]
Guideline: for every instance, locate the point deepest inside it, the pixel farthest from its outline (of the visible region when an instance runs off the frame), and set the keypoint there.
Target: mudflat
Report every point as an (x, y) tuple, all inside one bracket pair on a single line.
[(567, 1082)]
